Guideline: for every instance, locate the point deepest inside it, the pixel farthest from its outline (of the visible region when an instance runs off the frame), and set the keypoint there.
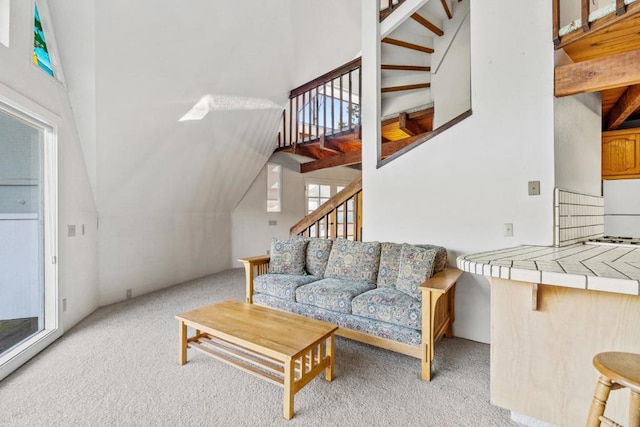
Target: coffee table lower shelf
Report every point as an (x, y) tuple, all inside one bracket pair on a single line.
[(282, 348)]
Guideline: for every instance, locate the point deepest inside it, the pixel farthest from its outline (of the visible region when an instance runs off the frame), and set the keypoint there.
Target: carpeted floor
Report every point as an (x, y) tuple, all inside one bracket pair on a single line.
[(118, 367)]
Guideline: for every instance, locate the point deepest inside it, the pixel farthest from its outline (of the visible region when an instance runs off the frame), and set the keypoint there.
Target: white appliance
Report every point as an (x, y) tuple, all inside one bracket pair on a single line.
[(622, 207)]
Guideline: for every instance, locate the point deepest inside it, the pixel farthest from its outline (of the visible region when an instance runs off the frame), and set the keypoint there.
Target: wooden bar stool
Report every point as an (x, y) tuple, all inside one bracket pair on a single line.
[(617, 370)]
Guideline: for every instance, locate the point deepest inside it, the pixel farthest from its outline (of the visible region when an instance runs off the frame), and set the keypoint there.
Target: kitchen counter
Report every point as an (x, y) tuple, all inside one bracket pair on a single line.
[(548, 321), (580, 266)]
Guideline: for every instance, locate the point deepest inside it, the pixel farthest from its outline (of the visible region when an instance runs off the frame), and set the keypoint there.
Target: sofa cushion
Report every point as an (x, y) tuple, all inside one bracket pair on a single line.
[(287, 256), (440, 261), (281, 285), (354, 260), (416, 265), (318, 251), (389, 264), (332, 294), (389, 305)]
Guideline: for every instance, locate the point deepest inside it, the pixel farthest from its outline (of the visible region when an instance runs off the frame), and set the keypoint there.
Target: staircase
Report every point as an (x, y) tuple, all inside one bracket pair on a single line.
[(323, 119)]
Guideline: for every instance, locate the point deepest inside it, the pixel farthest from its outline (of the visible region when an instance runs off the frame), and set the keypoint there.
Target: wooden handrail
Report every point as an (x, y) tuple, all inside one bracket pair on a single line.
[(328, 207), (327, 77)]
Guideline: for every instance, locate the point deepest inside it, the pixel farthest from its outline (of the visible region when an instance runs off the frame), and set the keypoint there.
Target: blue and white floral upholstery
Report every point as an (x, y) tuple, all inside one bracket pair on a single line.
[(440, 261), (372, 327), (354, 260), (389, 305), (416, 265), (318, 251), (332, 294), (281, 285), (287, 256), (389, 264)]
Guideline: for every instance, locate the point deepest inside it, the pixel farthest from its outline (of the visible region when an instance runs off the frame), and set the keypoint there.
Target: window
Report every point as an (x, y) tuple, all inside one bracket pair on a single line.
[(318, 193), (40, 51), (29, 315), (274, 188), (4, 22)]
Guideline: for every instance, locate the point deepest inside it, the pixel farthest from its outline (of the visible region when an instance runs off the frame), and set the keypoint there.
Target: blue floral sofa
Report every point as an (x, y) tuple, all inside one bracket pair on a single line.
[(396, 296)]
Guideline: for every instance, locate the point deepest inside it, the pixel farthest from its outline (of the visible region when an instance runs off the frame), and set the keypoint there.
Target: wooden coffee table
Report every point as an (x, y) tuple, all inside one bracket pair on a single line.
[(283, 348)]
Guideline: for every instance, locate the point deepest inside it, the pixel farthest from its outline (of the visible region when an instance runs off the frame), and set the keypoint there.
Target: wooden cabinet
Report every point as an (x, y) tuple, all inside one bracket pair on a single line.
[(621, 154)]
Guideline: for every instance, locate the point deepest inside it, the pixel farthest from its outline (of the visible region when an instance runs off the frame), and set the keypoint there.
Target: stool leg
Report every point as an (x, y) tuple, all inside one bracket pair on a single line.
[(634, 409), (599, 402)]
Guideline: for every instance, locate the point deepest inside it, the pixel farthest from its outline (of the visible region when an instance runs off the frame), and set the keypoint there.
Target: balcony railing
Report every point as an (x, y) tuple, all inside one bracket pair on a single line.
[(328, 105)]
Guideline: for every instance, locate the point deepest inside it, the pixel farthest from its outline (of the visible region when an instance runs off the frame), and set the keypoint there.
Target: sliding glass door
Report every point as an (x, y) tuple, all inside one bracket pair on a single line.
[(28, 288)]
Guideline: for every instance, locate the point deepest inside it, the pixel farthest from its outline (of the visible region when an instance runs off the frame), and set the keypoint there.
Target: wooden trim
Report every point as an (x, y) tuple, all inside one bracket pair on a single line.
[(626, 105), (446, 8), (406, 87), (427, 24), (556, 22), (585, 15), (407, 45), (260, 262), (599, 25), (326, 77), (404, 67), (622, 69), (398, 347), (335, 201), (419, 140), (442, 281)]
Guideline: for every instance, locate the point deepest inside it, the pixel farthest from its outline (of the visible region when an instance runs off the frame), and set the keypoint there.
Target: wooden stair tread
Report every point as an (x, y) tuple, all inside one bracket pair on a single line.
[(407, 45), (406, 87), (404, 67)]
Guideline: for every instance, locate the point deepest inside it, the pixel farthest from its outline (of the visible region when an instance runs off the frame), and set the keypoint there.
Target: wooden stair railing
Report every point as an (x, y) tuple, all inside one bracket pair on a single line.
[(326, 106), (340, 216)]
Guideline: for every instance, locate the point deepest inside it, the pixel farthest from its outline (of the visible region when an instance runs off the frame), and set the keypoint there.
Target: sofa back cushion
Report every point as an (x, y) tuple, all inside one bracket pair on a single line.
[(440, 262), (353, 260), (287, 256), (318, 251), (390, 262), (416, 266)]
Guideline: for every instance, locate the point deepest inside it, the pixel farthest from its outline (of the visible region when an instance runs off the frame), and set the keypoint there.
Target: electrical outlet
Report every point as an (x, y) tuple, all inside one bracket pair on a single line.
[(534, 188), (129, 294), (64, 304), (71, 230), (268, 251), (508, 229)]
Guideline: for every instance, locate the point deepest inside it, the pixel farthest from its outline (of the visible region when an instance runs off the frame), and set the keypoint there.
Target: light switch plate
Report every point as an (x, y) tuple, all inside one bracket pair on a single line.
[(71, 231), (534, 188)]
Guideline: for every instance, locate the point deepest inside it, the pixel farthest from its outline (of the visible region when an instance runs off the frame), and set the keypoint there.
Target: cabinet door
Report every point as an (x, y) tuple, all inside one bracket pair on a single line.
[(620, 154)]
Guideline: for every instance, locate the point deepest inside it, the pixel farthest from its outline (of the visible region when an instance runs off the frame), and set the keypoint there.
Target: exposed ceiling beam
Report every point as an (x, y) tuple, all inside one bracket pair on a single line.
[(622, 69), (345, 159), (313, 151), (626, 105)]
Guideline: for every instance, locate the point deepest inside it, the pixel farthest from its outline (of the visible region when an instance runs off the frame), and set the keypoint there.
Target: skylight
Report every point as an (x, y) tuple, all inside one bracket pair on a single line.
[(40, 51)]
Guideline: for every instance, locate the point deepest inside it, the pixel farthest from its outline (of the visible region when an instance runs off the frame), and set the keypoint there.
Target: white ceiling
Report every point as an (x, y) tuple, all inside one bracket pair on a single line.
[(134, 68)]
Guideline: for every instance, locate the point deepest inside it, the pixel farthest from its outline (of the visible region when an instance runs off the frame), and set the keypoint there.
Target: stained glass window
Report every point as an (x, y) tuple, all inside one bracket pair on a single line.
[(40, 51)]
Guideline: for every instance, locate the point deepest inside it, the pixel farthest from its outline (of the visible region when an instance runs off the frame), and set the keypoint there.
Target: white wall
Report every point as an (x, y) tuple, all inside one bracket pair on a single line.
[(461, 187), (252, 233), (451, 78), (578, 143), (23, 82)]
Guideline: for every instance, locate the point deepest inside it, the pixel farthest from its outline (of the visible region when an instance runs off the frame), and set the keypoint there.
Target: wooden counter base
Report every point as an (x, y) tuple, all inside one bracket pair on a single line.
[(541, 360)]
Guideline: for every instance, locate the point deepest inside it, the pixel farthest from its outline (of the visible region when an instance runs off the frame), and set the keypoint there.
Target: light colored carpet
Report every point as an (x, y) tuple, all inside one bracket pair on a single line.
[(119, 367)]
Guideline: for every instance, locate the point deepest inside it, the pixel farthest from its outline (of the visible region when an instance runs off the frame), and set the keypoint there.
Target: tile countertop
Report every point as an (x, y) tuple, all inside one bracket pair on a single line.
[(593, 267)]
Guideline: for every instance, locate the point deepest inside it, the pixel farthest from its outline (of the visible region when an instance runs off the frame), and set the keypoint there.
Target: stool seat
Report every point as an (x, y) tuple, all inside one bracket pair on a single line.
[(617, 370), (619, 367)]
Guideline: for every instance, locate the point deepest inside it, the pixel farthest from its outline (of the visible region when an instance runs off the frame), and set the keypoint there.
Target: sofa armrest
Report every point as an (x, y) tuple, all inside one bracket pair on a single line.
[(438, 312), (253, 266)]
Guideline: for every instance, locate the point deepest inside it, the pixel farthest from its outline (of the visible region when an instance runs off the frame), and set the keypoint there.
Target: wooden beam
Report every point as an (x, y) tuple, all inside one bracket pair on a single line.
[(407, 45), (313, 151), (626, 105), (327, 147), (408, 126), (427, 24), (345, 159), (585, 15), (406, 87), (446, 8), (621, 9), (622, 69), (404, 67)]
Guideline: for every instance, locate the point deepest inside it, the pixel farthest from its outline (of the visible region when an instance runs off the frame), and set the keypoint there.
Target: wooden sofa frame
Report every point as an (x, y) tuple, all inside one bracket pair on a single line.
[(438, 313)]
